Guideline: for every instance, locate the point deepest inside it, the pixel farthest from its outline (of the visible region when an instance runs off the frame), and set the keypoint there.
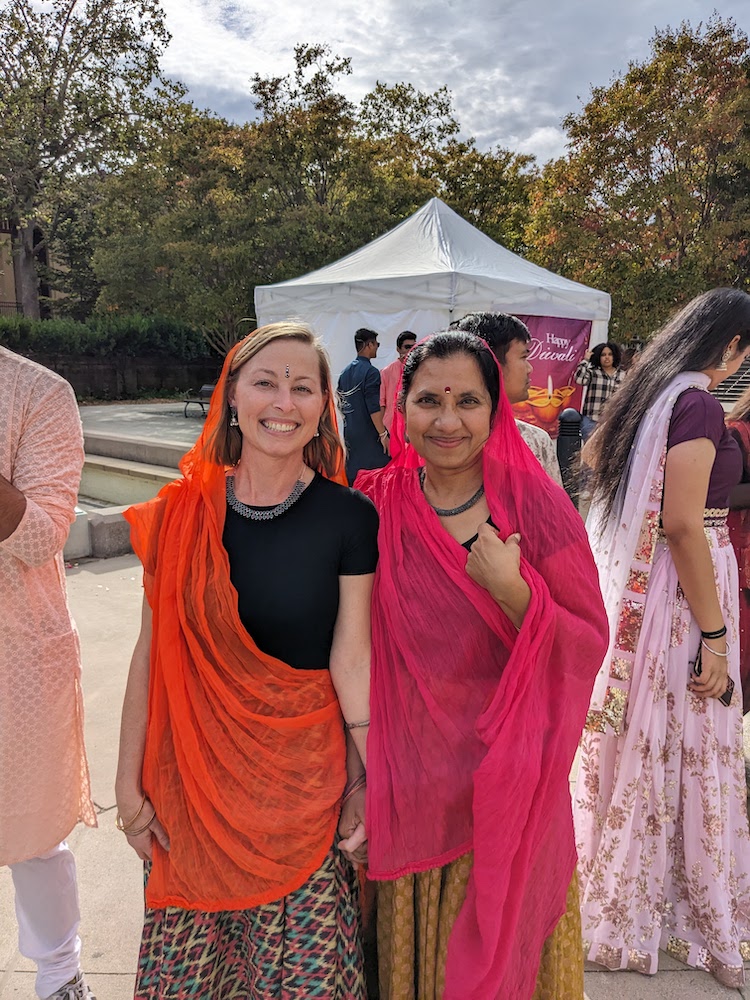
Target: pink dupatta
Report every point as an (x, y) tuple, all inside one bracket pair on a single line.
[(474, 726)]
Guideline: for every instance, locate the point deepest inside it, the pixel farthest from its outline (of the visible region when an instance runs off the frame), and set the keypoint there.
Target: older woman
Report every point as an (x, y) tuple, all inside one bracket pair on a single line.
[(487, 630), (601, 373), (660, 804), (258, 570)]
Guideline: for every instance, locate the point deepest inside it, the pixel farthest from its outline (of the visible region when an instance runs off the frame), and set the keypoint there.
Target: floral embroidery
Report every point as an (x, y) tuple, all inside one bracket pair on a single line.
[(638, 891)]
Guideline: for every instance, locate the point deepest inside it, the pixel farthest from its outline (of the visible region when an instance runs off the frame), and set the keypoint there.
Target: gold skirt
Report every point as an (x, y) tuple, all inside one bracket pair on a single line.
[(416, 915)]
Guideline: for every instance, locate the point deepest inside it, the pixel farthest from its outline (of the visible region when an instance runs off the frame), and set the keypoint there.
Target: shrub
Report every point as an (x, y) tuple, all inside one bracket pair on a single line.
[(101, 336)]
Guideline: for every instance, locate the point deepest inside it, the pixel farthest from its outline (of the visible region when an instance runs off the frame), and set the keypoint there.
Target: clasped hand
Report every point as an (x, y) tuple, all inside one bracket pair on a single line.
[(496, 564), (352, 828)]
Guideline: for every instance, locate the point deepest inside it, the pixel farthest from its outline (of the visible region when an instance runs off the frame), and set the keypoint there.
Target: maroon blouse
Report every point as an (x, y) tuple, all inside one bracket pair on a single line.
[(697, 414)]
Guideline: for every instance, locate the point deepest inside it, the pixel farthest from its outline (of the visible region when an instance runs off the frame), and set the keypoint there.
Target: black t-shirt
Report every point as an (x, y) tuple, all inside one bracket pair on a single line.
[(286, 571)]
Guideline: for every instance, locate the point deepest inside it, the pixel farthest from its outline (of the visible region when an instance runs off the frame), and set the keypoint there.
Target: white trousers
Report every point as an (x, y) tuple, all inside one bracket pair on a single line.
[(48, 916)]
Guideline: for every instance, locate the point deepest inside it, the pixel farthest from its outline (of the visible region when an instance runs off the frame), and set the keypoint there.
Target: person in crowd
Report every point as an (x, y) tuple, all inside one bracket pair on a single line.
[(509, 341), (488, 629), (601, 373), (391, 376), (738, 422), (44, 778), (365, 435), (660, 800), (255, 641)]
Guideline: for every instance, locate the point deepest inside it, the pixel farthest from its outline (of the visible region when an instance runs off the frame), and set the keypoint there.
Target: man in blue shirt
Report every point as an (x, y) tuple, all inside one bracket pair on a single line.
[(365, 435)]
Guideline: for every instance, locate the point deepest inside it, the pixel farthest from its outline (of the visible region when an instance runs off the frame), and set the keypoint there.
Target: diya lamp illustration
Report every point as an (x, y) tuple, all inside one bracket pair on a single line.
[(544, 405)]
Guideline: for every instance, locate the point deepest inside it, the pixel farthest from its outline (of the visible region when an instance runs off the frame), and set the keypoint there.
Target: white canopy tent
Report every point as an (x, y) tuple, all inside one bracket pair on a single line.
[(431, 269)]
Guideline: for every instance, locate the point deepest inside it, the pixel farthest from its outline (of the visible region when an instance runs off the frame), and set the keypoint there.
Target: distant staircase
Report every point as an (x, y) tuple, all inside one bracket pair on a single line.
[(733, 387)]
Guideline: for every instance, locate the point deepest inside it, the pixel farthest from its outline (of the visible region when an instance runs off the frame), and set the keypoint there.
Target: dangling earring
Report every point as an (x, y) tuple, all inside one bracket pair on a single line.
[(233, 421), (317, 432), (724, 358)]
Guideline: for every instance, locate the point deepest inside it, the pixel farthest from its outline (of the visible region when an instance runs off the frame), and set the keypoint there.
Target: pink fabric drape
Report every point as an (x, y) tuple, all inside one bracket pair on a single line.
[(474, 725)]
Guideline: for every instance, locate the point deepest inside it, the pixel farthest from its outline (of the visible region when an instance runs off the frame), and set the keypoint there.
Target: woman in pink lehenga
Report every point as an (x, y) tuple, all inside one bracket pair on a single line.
[(660, 802)]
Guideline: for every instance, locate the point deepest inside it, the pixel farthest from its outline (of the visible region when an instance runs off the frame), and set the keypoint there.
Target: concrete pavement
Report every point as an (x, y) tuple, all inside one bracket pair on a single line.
[(106, 596)]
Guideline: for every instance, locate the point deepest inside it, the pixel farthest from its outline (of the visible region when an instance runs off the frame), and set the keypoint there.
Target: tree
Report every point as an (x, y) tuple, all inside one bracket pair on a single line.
[(491, 190), (652, 201), (80, 80)]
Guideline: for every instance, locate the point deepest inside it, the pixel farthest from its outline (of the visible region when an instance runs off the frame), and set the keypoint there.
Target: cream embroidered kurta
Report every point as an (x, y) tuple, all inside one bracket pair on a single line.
[(44, 780)]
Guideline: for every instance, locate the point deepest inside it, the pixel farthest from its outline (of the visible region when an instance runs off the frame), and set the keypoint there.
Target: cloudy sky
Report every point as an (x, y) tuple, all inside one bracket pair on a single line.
[(515, 67)]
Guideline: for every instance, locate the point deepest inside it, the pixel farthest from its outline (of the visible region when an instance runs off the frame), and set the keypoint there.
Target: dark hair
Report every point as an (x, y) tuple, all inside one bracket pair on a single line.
[(498, 329), (364, 336), (693, 340), (446, 345), (596, 354), (405, 335)]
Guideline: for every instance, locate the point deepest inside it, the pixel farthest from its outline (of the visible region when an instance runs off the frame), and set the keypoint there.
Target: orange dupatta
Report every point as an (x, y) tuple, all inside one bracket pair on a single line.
[(245, 756)]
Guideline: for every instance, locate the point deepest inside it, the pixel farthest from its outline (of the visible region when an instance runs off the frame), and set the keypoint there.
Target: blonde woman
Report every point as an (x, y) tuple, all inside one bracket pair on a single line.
[(234, 757)]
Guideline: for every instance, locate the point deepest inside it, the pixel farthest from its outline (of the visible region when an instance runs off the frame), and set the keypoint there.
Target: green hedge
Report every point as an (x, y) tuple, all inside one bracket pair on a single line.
[(134, 336)]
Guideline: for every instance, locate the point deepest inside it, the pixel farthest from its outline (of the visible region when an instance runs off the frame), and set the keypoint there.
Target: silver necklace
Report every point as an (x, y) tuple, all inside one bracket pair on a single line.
[(244, 510), (451, 512)]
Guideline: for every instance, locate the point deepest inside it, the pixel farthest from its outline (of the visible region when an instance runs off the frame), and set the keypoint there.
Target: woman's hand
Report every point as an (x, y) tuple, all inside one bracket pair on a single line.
[(353, 844), (714, 676), (495, 564), (143, 843)]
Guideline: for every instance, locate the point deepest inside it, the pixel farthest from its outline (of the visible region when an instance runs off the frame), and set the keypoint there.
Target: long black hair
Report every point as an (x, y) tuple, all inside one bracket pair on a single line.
[(692, 341), (446, 345), (596, 354)]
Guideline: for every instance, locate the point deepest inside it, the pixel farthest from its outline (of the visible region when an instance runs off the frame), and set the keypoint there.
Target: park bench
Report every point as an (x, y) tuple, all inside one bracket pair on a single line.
[(201, 397)]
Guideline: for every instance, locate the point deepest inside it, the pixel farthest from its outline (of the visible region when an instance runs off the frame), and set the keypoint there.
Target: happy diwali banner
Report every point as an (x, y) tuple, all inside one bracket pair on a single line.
[(557, 345)]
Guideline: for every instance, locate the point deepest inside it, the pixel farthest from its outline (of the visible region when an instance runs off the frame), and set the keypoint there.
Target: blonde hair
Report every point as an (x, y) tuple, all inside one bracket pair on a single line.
[(323, 453)]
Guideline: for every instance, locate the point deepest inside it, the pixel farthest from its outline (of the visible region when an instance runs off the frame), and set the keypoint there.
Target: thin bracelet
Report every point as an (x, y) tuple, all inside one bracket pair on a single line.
[(357, 725), (355, 783), (124, 827), (718, 634), (355, 787), (141, 829), (723, 655)]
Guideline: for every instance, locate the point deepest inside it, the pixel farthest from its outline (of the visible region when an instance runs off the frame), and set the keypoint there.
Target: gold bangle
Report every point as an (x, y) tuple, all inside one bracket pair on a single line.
[(124, 827), (142, 829), (357, 725)]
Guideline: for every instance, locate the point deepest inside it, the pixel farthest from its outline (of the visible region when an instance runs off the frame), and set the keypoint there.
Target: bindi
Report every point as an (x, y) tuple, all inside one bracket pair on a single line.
[(447, 388), (287, 371)]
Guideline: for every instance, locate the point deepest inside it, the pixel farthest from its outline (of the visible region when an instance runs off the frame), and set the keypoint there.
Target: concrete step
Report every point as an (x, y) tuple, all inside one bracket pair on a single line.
[(123, 481), (131, 449)]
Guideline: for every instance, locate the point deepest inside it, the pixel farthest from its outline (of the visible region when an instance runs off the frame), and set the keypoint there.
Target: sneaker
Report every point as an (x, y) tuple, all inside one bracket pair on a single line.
[(76, 989)]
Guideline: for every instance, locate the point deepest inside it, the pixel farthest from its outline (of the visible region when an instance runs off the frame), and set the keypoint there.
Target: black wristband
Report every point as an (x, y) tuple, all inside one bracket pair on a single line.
[(718, 634)]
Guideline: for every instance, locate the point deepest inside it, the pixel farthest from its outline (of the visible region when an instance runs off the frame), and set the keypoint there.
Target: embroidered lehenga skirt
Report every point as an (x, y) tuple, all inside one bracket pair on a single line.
[(415, 916), (660, 808), (306, 945)]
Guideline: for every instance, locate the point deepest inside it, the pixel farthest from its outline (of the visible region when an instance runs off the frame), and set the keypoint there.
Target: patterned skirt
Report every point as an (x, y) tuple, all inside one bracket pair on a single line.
[(416, 914), (305, 945), (661, 809)]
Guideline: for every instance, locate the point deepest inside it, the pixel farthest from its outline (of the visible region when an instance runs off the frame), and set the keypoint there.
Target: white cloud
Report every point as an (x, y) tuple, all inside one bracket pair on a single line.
[(515, 67)]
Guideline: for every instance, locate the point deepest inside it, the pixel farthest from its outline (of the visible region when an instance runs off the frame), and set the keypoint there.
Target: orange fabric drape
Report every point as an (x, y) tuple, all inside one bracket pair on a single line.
[(245, 756)]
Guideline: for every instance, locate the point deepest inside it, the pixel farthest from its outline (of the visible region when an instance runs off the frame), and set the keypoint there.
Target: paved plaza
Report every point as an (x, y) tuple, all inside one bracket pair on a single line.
[(157, 423)]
